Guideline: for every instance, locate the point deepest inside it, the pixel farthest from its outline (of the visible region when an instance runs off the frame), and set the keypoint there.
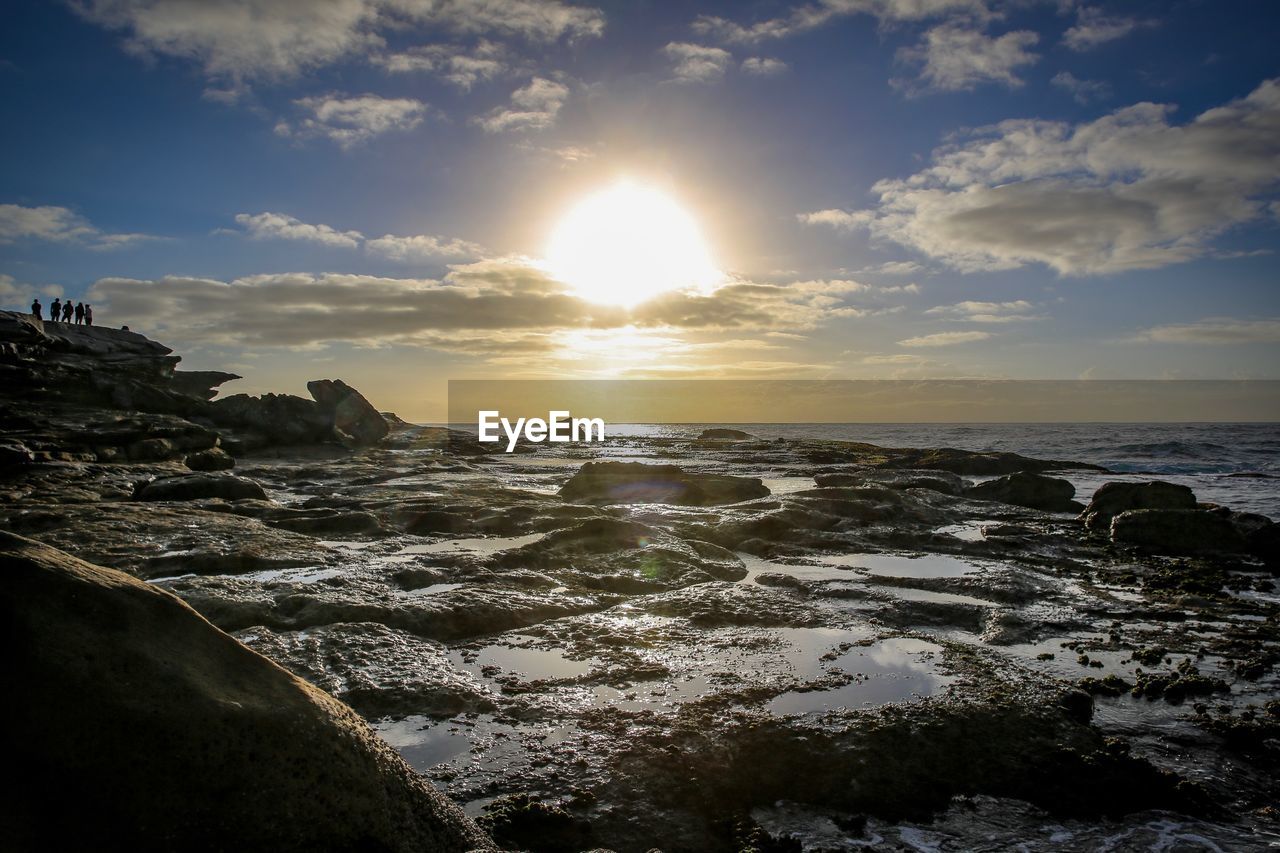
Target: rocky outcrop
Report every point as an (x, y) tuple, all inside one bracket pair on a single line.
[(724, 434), (352, 418), (1114, 498), (158, 731), (935, 481), (1177, 531), (635, 482), (270, 419), (1034, 491), (193, 487), (213, 459), (976, 464)]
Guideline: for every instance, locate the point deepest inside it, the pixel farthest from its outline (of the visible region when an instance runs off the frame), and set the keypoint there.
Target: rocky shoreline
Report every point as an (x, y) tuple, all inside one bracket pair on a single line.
[(719, 643)]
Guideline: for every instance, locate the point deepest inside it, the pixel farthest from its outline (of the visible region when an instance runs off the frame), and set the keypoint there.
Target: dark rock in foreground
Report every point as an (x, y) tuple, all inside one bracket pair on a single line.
[(191, 487), (1177, 531), (213, 459), (158, 731), (1034, 491), (1114, 498), (353, 419), (635, 482), (724, 434)]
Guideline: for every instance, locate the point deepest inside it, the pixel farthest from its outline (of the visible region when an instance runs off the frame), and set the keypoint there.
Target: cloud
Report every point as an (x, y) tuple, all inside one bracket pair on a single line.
[(407, 249), (945, 339), (838, 219), (1083, 91), (1127, 191), (696, 63), (238, 41), (508, 297), (1216, 330), (59, 225), (532, 107), (894, 358), (987, 312), (280, 226), (1094, 27), (352, 121), (459, 65), (762, 66), (421, 247), (897, 268), (813, 15), (20, 294), (958, 58)]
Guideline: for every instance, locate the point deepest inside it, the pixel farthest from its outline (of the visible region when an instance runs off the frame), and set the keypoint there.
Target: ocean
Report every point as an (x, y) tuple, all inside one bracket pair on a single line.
[(1233, 464)]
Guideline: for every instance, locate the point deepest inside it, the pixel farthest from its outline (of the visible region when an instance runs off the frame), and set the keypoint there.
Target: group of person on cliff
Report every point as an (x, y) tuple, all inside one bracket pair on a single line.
[(82, 313)]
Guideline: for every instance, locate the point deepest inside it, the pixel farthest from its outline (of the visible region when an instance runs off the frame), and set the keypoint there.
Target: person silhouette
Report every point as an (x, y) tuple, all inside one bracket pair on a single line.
[(36, 310), (67, 308), (88, 314), (55, 310), (79, 313)]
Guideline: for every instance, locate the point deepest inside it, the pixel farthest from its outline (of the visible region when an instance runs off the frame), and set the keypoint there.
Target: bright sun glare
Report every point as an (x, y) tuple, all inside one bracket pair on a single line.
[(628, 244)]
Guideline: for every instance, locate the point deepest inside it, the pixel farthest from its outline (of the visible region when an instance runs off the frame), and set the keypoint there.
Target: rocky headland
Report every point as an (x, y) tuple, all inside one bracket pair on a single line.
[(711, 643)]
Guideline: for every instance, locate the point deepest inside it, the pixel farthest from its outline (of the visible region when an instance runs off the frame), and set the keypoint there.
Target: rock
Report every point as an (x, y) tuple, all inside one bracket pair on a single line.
[(1177, 531), (724, 434), (161, 732), (14, 454), (935, 481), (191, 487), (1035, 491), (978, 464), (202, 384), (278, 418), (635, 482), (353, 418), (213, 459), (151, 450), (1264, 544), (1114, 498)]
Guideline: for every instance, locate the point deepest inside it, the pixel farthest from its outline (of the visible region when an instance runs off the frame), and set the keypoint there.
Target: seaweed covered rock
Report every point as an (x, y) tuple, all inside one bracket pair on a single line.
[(635, 482), (158, 731), (192, 487), (1111, 499), (1034, 491), (1177, 531)]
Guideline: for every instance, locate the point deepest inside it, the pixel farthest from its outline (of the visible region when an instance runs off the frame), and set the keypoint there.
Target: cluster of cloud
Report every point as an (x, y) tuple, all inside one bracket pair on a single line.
[(972, 311), (461, 65), (1216, 330), (1082, 91), (532, 107), (1095, 27), (351, 121), (410, 249), (59, 225), (945, 339), (813, 15), (14, 292), (248, 39), (958, 58), (1130, 190), (511, 297), (699, 63)]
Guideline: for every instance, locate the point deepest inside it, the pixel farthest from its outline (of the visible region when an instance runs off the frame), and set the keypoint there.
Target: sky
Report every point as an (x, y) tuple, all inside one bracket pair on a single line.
[(368, 189)]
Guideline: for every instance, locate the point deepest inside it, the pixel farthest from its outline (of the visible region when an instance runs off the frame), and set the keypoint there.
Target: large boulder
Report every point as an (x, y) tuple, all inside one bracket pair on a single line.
[(635, 482), (1114, 498), (213, 459), (1177, 531), (277, 418), (138, 725), (1035, 491), (194, 487), (354, 419)]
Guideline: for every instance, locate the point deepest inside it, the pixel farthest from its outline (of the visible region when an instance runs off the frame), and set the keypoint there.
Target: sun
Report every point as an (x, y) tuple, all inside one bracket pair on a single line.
[(627, 244)]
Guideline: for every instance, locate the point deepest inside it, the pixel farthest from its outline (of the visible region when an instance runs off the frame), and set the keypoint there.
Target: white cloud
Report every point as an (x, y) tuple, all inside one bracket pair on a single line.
[(20, 294), (987, 312), (421, 248), (1216, 330), (696, 63), (945, 339), (280, 226), (461, 66), (247, 39), (1127, 191), (959, 58), (813, 15), (59, 225), (532, 107), (898, 268), (1083, 91), (838, 219), (1095, 27), (351, 121), (763, 66)]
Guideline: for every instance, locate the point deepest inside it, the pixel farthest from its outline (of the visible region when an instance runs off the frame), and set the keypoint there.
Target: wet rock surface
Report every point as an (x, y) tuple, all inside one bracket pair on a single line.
[(724, 645)]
